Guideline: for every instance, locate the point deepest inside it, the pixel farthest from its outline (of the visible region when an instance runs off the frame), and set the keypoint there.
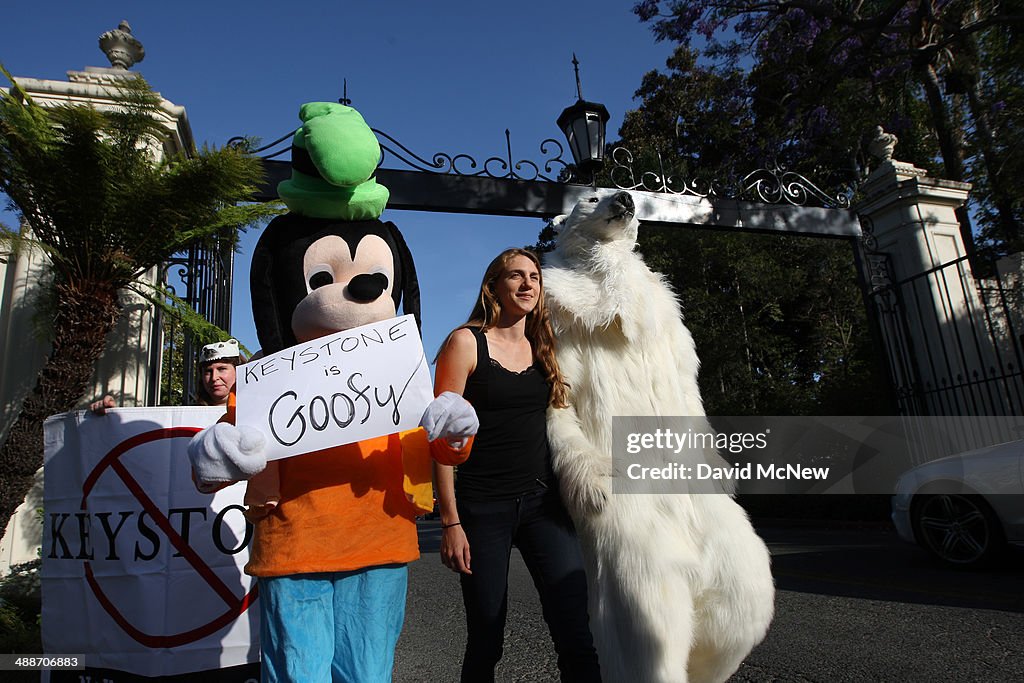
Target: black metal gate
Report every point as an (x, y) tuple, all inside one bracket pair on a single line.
[(953, 341), (204, 272)]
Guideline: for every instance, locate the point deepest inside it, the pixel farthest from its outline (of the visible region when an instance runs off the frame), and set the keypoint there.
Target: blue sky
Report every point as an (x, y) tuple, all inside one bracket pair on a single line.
[(443, 76)]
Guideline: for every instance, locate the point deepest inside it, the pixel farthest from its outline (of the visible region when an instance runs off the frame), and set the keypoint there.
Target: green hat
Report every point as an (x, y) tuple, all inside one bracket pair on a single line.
[(334, 159)]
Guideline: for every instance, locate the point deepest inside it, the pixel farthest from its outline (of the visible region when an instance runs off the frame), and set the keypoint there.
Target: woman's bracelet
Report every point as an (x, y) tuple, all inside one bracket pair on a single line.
[(449, 526)]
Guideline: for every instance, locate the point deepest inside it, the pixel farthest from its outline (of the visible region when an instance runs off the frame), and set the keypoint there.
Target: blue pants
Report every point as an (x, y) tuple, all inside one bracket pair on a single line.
[(539, 526), (338, 626)]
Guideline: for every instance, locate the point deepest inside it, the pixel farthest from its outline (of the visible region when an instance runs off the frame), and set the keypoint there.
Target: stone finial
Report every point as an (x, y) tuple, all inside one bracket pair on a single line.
[(883, 144), (121, 47)]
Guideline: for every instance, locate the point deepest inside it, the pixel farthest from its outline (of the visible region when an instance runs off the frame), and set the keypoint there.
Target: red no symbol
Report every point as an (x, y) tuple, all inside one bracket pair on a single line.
[(235, 606)]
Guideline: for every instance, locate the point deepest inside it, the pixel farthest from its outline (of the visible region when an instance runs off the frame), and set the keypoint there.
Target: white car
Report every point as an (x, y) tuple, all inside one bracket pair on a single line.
[(964, 508)]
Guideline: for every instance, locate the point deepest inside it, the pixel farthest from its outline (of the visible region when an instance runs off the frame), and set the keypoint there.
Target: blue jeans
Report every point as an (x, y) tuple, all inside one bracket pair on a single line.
[(337, 626), (539, 526)]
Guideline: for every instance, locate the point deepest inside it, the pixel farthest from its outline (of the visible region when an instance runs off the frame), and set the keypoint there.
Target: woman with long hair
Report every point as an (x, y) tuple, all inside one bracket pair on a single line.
[(502, 360)]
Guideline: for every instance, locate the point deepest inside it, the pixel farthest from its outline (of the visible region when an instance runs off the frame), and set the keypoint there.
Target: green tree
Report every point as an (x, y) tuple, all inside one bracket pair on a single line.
[(1000, 102), (174, 366), (687, 111), (105, 213), (844, 67), (779, 321)]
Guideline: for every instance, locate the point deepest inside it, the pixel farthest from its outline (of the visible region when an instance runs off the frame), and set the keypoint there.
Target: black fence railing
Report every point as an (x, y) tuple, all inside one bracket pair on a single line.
[(202, 278), (953, 342)]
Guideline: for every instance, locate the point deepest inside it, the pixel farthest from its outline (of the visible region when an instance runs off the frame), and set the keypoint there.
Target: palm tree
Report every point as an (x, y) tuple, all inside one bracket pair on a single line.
[(104, 212)]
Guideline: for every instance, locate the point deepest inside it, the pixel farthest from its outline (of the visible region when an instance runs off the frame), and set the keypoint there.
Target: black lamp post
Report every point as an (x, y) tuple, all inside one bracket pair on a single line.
[(583, 124)]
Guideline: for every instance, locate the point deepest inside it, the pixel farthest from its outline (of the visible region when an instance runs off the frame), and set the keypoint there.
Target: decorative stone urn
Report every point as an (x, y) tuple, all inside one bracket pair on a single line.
[(121, 47)]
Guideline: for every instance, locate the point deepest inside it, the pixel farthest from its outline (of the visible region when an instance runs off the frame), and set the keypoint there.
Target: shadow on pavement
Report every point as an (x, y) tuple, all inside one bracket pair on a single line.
[(429, 531), (872, 564), (875, 564)]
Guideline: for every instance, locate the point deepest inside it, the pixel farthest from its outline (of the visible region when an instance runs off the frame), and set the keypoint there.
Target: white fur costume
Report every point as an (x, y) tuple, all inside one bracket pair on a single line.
[(680, 584)]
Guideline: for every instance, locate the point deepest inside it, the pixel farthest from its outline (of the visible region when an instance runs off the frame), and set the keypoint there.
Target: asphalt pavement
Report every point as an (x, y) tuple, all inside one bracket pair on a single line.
[(851, 605)]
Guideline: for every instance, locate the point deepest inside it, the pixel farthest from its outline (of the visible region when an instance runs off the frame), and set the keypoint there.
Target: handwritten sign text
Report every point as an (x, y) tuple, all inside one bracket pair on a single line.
[(353, 385)]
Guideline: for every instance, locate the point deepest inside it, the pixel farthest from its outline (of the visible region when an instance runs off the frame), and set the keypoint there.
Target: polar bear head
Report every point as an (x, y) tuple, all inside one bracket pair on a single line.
[(597, 221)]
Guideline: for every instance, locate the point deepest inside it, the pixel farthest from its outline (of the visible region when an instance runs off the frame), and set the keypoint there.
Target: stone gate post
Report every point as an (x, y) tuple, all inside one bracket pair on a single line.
[(939, 330)]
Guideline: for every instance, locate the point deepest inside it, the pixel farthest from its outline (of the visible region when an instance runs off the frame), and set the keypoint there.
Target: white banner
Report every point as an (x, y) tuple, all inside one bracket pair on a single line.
[(141, 572), (353, 385)]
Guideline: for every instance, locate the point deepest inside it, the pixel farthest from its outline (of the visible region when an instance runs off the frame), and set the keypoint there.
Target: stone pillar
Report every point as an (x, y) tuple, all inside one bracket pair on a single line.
[(129, 367), (913, 216), (935, 322)]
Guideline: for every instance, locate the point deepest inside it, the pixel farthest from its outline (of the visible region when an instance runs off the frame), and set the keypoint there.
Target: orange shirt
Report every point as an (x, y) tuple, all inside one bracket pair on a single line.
[(340, 509)]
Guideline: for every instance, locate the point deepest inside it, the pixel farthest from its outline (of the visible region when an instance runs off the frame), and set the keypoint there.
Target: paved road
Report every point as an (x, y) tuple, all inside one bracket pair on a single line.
[(850, 606)]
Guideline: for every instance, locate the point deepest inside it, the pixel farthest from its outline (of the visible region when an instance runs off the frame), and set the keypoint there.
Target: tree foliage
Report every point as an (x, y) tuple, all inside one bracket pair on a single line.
[(943, 75), (105, 211), (780, 322), (174, 366)]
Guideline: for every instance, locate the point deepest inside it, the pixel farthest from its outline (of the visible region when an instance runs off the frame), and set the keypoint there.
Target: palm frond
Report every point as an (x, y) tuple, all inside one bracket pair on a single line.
[(170, 304), (88, 182)]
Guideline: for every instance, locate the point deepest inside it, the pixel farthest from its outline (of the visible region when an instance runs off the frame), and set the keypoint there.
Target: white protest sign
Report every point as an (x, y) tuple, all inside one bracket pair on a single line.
[(142, 573), (353, 385)]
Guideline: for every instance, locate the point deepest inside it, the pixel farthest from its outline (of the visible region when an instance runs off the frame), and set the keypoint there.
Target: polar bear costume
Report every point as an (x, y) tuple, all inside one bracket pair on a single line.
[(680, 585)]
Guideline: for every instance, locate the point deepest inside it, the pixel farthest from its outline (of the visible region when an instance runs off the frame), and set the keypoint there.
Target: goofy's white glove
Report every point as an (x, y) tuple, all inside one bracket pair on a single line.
[(225, 453), (450, 417)]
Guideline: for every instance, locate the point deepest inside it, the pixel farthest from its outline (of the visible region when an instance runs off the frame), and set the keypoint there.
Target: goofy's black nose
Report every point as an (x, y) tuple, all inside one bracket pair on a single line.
[(368, 286)]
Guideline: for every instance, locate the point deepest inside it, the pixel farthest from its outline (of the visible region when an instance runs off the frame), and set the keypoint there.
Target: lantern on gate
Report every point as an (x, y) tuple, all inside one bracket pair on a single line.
[(584, 127)]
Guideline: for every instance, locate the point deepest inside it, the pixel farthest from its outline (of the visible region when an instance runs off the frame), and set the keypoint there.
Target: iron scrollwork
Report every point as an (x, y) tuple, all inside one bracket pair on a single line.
[(770, 185), (623, 176), (203, 270), (773, 185), (779, 186), (244, 143), (492, 167), (551, 168)]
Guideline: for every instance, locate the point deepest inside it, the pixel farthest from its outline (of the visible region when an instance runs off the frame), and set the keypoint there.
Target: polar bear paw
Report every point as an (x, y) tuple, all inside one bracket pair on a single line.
[(587, 500)]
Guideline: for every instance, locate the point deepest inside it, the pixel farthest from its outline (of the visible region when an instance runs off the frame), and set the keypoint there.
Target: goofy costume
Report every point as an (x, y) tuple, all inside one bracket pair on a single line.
[(334, 529)]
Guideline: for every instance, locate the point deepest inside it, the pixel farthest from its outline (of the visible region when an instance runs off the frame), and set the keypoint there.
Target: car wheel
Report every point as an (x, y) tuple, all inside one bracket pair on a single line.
[(960, 530)]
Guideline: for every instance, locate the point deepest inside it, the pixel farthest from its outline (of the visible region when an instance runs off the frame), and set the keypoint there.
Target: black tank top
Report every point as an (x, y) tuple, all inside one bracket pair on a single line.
[(510, 454)]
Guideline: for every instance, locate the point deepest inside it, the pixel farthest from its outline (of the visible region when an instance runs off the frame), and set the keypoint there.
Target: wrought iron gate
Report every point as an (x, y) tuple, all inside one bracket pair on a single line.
[(954, 342), (204, 273)]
